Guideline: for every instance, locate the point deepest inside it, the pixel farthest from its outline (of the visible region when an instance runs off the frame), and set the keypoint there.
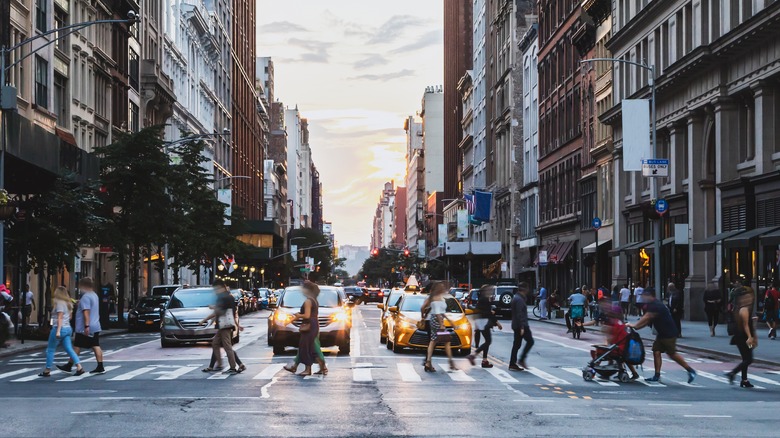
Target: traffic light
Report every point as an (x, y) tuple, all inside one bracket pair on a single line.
[(406, 252), (375, 252)]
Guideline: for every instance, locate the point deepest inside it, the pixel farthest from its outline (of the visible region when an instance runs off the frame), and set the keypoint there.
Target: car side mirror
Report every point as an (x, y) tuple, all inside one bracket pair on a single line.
[(380, 306), (393, 309), (470, 311)]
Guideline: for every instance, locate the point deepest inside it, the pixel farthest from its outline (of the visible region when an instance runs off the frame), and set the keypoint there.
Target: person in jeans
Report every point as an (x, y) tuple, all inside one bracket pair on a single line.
[(745, 336), (543, 303), (225, 319), (61, 331), (521, 329), (666, 340), (87, 326), (484, 324), (625, 301), (712, 306), (771, 300)]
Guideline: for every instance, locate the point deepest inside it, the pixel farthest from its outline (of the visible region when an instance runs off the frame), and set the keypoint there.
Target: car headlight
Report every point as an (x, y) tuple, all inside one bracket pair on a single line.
[(463, 324), (407, 324), (340, 316), (169, 319), (283, 318)]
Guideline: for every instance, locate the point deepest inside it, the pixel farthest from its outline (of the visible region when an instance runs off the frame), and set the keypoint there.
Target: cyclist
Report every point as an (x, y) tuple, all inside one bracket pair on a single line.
[(577, 302)]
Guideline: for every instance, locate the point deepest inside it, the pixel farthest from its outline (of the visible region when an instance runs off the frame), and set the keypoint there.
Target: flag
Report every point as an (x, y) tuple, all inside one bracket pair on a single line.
[(469, 203), (482, 205)]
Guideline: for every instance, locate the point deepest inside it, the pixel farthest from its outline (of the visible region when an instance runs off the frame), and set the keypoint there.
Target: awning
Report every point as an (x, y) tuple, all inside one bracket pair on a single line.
[(616, 251), (772, 238), (709, 243), (66, 136), (743, 239), (560, 252), (591, 249)]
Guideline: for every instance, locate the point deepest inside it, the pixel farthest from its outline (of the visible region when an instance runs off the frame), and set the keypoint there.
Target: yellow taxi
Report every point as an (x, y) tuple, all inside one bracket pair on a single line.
[(391, 300), (402, 331)]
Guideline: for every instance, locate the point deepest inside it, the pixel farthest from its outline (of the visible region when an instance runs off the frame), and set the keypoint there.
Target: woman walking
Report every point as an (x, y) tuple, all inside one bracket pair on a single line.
[(744, 336), (712, 300), (309, 329), (61, 331), (437, 313), (484, 324)]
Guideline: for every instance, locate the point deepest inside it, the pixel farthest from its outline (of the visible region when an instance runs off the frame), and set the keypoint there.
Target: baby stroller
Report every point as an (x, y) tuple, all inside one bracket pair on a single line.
[(608, 360)]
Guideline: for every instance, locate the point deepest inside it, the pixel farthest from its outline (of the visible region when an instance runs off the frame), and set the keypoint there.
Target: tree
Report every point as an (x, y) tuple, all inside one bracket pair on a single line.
[(385, 266), (322, 254)]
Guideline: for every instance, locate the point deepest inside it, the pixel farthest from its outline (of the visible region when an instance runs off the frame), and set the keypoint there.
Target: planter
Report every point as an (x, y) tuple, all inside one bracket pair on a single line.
[(7, 211)]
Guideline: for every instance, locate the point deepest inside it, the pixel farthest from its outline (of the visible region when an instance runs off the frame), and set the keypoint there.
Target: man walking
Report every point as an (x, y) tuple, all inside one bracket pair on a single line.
[(520, 328), (226, 319), (543, 303), (87, 326), (625, 301), (29, 305), (639, 300), (666, 340)]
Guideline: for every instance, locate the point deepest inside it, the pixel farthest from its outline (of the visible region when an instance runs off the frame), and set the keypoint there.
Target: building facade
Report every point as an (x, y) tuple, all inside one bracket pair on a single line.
[(432, 116), (399, 218), (415, 180), (157, 94)]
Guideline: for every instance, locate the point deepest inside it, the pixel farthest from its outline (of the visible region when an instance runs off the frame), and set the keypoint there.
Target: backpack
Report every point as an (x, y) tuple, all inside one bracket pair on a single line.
[(769, 302), (634, 353)]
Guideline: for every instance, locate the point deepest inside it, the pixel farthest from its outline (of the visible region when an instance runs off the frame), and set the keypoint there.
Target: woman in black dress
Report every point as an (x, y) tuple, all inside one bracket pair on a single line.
[(309, 328), (712, 306), (744, 336)]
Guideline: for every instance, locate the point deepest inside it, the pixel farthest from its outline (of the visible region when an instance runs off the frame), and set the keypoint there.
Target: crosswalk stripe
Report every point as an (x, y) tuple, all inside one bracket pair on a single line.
[(650, 384), (717, 378), (362, 373), (87, 374), (175, 374), (35, 376), (269, 372), (762, 379), (547, 376), (15, 372), (578, 372), (458, 376), (219, 376), (501, 375), (134, 373), (408, 373)]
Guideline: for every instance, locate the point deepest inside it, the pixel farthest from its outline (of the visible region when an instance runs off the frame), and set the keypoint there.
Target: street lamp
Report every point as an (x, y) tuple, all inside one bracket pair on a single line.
[(653, 181), (262, 274)]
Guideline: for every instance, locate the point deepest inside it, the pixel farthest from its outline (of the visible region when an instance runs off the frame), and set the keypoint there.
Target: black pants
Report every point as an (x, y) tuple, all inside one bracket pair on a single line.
[(747, 358), (677, 317), (477, 334), (713, 314), (518, 341), (214, 359), (487, 333)]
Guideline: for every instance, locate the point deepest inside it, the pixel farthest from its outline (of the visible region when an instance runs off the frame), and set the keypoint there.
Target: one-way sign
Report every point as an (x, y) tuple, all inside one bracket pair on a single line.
[(655, 167)]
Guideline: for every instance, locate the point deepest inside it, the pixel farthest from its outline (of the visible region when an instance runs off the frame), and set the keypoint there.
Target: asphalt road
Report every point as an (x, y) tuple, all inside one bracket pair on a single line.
[(150, 391)]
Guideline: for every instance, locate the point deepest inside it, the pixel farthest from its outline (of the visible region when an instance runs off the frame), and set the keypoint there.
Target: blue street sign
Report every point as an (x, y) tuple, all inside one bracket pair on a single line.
[(661, 206), (596, 223)]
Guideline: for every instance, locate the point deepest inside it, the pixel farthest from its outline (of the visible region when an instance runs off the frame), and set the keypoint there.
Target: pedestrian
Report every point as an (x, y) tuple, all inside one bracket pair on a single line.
[(309, 328), (771, 301), (625, 301), (87, 326), (666, 339), (676, 305), (639, 297), (485, 323), (320, 359), (215, 358), (29, 305), (615, 296), (576, 299), (225, 321), (744, 335), (60, 332), (436, 308), (521, 329), (712, 306), (543, 303)]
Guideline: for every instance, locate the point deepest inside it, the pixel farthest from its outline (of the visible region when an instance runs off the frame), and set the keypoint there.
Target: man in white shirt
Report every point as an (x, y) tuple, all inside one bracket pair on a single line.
[(29, 304), (625, 300), (639, 299)]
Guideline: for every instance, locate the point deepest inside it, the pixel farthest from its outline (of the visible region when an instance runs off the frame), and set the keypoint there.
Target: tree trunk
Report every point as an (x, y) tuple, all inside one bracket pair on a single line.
[(120, 300), (134, 273), (175, 269)]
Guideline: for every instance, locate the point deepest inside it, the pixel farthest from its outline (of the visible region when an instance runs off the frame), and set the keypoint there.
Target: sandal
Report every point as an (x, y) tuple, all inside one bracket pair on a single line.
[(429, 368), (453, 367), (323, 371), (290, 368), (305, 374), (241, 368), (208, 370), (45, 374)]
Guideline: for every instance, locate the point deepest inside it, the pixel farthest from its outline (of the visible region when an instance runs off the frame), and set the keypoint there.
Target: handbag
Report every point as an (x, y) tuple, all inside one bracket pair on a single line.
[(305, 327), (422, 324), (226, 320), (443, 337)]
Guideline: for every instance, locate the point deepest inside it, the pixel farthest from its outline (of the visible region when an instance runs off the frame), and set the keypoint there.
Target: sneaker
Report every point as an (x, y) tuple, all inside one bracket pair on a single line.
[(241, 368), (66, 368), (653, 379), (514, 367), (98, 370), (472, 359), (691, 376), (634, 376), (79, 372), (486, 364), (523, 365), (729, 375)]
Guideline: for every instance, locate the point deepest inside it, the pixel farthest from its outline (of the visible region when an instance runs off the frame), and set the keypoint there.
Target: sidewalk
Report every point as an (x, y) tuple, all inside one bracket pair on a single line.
[(696, 336), (16, 346)]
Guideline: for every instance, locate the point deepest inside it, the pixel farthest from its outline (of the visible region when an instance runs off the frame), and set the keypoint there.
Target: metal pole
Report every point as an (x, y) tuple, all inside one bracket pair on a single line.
[(4, 129), (654, 195), (596, 261)]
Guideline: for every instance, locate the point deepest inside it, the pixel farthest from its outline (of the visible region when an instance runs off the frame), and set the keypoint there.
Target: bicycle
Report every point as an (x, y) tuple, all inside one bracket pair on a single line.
[(537, 310)]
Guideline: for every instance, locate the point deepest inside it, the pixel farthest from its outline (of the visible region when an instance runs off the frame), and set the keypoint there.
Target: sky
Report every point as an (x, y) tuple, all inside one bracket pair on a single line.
[(356, 70)]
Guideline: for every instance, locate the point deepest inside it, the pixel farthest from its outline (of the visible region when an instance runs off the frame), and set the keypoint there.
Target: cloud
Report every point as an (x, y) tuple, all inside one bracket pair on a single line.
[(370, 61), (314, 51), (428, 39), (282, 27), (394, 27), (385, 76)]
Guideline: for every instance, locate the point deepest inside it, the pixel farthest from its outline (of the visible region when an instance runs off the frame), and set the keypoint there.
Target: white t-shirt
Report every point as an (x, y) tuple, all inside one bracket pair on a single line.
[(638, 292), (438, 307), (28, 298), (625, 295), (60, 307)]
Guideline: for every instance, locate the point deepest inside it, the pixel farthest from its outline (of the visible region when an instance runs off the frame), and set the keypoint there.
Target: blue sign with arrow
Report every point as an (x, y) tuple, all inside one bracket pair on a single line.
[(661, 206), (596, 223)]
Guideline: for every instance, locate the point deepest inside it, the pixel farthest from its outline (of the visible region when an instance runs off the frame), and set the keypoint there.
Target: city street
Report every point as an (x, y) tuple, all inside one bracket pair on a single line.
[(150, 391)]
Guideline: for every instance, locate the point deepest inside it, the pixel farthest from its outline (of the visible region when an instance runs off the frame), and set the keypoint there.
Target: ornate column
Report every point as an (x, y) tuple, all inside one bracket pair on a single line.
[(766, 125), (700, 222)]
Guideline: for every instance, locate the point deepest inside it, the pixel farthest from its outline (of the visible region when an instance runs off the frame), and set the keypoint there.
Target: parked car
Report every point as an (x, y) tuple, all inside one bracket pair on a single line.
[(392, 300), (502, 299), (165, 290), (262, 298), (146, 314), (402, 331), (373, 295), (335, 318), (182, 316)]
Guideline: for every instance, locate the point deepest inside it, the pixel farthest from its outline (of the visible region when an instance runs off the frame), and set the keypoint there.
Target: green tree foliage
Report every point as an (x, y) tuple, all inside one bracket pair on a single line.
[(323, 255), (383, 267)]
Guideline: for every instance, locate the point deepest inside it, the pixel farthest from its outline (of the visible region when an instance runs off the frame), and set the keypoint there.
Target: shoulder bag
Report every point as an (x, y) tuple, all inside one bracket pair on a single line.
[(226, 320)]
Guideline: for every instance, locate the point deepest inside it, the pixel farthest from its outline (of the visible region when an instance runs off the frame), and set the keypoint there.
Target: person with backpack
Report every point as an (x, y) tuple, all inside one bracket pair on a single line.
[(771, 301)]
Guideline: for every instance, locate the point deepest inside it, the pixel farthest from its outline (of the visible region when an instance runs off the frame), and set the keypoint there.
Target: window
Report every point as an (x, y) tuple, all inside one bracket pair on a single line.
[(605, 192), (135, 123), (41, 82), (134, 71), (61, 20), (40, 15), (61, 99)]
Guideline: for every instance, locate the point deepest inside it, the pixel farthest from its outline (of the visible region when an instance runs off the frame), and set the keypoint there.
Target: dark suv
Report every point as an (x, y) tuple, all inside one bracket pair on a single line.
[(502, 299)]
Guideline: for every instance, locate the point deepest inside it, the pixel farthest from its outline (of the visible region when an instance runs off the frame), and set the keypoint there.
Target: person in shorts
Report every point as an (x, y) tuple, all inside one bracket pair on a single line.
[(87, 326), (666, 339)]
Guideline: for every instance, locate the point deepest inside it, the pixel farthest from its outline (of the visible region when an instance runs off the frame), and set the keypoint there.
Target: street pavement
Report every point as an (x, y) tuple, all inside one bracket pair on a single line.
[(150, 391)]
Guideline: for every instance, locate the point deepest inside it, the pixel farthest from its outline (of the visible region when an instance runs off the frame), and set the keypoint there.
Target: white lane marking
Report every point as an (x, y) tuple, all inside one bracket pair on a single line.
[(175, 374), (36, 377), (555, 414), (407, 372), (578, 372), (561, 344), (135, 373), (458, 376), (264, 390), (716, 378), (244, 412), (361, 372), (762, 379), (219, 376), (87, 374), (15, 372), (269, 372), (650, 384), (355, 338), (93, 412), (547, 376), (501, 375), (706, 416), (670, 404)]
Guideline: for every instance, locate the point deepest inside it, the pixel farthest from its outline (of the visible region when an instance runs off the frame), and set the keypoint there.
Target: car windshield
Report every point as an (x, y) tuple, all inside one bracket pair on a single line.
[(151, 303), (164, 290), (294, 298), (414, 303), (193, 298), (393, 299)]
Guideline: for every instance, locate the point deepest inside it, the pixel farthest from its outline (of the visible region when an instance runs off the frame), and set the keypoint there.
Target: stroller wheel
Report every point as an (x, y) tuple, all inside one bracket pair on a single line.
[(587, 374), (624, 377)]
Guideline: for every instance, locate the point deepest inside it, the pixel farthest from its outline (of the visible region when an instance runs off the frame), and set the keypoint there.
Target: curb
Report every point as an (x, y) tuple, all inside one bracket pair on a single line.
[(40, 347), (730, 355)]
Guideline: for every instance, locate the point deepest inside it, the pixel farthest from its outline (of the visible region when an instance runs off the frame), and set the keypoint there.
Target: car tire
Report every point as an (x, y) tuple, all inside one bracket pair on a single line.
[(383, 339), (388, 344), (278, 349), (506, 299), (344, 348), (397, 349), (165, 344)]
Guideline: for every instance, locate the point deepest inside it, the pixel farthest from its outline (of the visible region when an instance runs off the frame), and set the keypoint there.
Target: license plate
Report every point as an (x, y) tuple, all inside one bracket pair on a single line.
[(149, 322)]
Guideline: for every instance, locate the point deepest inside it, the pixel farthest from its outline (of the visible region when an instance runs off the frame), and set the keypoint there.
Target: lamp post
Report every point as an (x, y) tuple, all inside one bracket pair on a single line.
[(8, 94), (262, 275), (653, 182)]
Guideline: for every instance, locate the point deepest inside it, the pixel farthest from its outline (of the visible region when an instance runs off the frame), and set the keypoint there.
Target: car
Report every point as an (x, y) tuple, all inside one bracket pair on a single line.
[(354, 293), (470, 300), (392, 300), (402, 331), (238, 295), (335, 318), (273, 298), (262, 298), (164, 290), (502, 299), (373, 295), (183, 314), (147, 314), (458, 292)]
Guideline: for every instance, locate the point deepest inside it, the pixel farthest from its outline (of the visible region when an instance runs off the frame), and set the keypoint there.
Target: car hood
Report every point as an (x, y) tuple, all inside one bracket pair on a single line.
[(415, 316), (322, 311), (191, 313)]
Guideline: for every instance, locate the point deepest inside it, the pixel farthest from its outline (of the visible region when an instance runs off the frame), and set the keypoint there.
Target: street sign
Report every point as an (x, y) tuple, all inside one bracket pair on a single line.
[(542, 258), (661, 206), (655, 168), (305, 270), (596, 223)]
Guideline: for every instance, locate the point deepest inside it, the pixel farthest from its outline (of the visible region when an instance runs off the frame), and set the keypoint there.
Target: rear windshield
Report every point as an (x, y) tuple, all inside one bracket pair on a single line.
[(164, 290), (151, 303), (294, 298), (414, 304), (193, 298)]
